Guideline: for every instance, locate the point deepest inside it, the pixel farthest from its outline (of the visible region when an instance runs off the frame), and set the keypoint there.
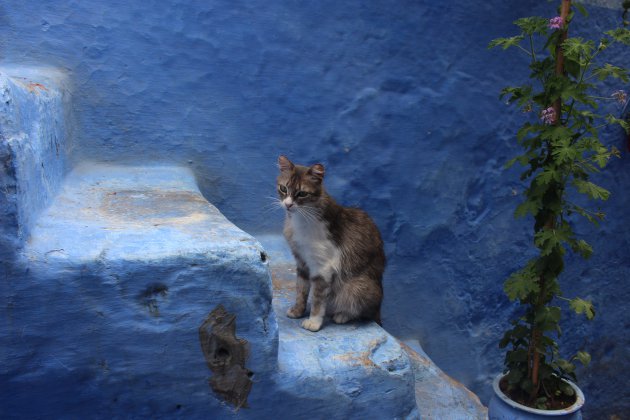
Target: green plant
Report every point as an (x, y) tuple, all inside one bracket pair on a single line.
[(561, 149)]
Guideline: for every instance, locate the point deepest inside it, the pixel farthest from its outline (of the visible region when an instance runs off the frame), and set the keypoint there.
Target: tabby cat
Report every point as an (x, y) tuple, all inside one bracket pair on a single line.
[(338, 250)]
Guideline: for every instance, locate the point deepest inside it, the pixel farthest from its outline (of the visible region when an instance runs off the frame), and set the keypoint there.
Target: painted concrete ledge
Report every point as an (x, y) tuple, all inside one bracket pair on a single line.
[(357, 368), (103, 313), (360, 365), (439, 396)]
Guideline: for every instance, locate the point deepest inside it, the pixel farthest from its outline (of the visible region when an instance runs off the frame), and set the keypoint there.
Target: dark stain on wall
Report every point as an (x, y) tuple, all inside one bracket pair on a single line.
[(226, 356), (151, 297)]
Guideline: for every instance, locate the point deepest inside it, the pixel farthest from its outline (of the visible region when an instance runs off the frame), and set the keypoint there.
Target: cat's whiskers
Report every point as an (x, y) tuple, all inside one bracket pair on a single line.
[(304, 214), (275, 203), (274, 200), (310, 214), (312, 210)]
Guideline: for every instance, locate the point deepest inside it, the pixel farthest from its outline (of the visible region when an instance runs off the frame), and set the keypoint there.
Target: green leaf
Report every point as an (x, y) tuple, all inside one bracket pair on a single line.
[(608, 70), (621, 35), (583, 357), (602, 158), (515, 336), (547, 318), (578, 50), (526, 207), (589, 143), (548, 175), (565, 365), (556, 133), (542, 69), (506, 43), (521, 94), (580, 8), (522, 159), (624, 124), (566, 388), (583, 248), (593, 218), (581, 306), (573, 67), (565, 152), (548, 239), (522, 283), (533, 25), (593, 191)]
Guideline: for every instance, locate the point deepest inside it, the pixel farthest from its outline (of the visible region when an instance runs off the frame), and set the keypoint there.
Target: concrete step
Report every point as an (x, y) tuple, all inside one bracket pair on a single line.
[(133, 213), (359, 366), (110, 293)]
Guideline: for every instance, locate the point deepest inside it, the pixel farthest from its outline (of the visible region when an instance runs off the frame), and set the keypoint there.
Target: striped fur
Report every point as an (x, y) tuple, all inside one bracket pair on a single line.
[(338, 250)]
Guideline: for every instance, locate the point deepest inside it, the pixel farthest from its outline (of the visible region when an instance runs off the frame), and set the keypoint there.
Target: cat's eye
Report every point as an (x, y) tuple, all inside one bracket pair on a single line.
[(301, 194), (282, 189)]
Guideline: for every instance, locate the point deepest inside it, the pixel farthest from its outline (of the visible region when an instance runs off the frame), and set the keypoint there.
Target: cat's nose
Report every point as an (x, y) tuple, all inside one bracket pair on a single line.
[(288, 205)]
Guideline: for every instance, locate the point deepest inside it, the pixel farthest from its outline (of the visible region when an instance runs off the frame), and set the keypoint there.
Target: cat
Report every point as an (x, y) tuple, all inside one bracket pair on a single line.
[(338, 250)]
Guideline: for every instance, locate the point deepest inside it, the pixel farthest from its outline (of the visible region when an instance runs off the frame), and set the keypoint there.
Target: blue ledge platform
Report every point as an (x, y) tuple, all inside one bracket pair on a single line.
[(115, 279), (359, 366)]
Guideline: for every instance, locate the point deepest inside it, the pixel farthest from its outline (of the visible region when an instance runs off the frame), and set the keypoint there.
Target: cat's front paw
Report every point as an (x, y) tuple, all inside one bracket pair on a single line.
[(312, 324), (296, 312)]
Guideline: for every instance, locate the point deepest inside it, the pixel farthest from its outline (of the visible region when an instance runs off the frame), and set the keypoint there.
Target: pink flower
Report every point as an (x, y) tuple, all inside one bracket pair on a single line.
[(556, 23), (620, 96), (548, 116)]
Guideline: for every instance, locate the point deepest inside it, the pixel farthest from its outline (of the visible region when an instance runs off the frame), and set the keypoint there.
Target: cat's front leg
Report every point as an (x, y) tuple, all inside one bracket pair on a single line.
[(302, 289), (321, 291)]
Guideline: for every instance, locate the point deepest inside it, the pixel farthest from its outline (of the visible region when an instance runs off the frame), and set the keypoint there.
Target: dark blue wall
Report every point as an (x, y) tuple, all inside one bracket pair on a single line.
[(397, 98)]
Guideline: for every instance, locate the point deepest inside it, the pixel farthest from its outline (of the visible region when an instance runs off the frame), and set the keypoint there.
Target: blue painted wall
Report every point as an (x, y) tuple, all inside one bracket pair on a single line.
[(397, 98)]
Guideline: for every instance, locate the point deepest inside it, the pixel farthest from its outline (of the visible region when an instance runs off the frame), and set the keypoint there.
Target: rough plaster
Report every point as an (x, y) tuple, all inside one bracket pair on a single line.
[(105, 301), (397, 99)]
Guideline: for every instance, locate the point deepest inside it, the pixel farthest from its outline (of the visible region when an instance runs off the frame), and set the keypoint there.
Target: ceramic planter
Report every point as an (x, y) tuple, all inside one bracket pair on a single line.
[(503, 408)]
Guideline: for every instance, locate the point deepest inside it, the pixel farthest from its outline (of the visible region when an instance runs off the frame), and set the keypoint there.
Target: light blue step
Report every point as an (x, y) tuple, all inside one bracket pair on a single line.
[(119, 273), (376, 374), (358, 367)]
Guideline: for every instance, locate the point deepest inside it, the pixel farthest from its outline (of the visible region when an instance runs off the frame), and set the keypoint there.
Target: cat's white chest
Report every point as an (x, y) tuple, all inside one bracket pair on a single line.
[(313, 244)]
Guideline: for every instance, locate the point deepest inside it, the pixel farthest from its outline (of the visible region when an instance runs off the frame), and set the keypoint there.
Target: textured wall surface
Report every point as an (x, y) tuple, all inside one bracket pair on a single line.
[(397, 98), (126, 282), (32, 146)]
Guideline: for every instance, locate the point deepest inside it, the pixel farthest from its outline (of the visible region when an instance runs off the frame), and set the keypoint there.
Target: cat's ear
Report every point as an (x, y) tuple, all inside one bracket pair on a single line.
[(285, 164), (317, 172)]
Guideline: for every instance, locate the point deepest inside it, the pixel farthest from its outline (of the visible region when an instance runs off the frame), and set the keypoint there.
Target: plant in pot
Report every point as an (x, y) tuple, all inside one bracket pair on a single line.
[(561, 149)]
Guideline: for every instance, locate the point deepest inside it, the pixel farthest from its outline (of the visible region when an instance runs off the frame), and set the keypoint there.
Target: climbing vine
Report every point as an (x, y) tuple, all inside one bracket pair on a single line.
[(562, 146)]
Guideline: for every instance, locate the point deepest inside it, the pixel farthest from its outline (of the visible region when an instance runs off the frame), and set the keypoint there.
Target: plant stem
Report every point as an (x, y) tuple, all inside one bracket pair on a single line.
[(535, 362), (536, 334), (551, 220), (564, 13), (531, 47)]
